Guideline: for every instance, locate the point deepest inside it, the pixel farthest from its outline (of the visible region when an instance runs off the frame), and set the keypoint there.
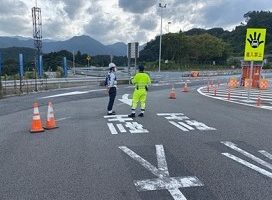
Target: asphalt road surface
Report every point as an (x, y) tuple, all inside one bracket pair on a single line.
[(192, 147)]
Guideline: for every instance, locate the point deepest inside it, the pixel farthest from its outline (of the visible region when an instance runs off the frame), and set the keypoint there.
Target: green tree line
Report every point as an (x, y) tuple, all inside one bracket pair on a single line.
[(216, 45)]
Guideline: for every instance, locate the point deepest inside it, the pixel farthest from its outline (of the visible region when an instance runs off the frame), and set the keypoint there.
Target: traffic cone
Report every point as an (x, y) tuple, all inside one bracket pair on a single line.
[(172, 94), (185, 88), (50, 122), (36, 126)]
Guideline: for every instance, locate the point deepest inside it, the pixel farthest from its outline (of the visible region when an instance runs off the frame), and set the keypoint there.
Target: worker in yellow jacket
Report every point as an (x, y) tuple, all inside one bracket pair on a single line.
[(141, 82)]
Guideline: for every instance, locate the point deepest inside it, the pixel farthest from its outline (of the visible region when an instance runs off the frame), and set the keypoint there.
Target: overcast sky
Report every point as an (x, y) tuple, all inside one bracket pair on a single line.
[(110, 21)]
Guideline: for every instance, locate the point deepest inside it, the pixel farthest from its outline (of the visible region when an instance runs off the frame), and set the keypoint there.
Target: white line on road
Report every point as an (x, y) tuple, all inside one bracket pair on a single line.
[(223, 99), (112, 128), (178, 126), (247, 164), (164, 181), (72, 93), (266, 154), (256, 159), (61, 119)]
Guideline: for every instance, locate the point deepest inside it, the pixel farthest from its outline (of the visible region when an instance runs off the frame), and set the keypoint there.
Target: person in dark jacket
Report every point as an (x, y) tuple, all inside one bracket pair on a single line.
[(111, 84)]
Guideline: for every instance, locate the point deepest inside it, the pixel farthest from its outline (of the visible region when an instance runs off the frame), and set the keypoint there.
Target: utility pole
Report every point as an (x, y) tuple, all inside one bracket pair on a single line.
[(161, 7), (74, 66)]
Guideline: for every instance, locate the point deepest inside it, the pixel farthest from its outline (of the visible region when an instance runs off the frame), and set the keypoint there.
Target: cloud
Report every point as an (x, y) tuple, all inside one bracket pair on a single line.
[(147, 21), (122, 20), (136, 6), (12, 7)]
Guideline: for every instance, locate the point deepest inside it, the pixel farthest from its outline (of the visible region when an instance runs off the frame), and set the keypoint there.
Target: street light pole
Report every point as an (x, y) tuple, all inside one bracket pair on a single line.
[(161, 6)]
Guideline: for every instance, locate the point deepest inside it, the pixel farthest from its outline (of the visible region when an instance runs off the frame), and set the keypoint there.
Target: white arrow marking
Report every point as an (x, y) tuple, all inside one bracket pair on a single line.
[(126, 100), (164, 181), (266, 154), (256, 159)]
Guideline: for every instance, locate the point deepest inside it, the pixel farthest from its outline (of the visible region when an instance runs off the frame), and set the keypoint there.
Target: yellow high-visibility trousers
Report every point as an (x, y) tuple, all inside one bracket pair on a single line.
[(139, 95)]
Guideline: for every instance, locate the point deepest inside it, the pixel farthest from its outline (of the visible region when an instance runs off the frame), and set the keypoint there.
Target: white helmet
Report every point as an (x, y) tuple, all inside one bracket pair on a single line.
[(111, 65)]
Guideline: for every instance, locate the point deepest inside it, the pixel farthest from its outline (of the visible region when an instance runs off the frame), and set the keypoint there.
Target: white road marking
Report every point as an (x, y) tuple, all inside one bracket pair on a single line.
[(178, 126), (266, 154), (126, 100), (112, 128), (121, 128), (186, 126), (164, 181), (247, 164), (256, 159), (72, 93), (232, 101), (61, 119)]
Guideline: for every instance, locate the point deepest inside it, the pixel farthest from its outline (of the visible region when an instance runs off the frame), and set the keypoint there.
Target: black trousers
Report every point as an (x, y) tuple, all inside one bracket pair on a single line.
[(112, 95)]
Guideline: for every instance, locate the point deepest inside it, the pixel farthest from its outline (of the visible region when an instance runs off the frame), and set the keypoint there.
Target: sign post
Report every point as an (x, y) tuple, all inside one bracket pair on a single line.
[(21, 70), (254, 49), (133, 52)]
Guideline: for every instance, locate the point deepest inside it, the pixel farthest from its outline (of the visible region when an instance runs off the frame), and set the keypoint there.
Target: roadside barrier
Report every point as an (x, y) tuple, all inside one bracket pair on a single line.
[(233, 83), (247, 83), (264, 84), (50, 122), (36, 125)]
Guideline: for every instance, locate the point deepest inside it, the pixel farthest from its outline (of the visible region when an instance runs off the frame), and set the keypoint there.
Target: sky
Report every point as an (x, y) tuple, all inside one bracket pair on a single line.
[(110, 21)]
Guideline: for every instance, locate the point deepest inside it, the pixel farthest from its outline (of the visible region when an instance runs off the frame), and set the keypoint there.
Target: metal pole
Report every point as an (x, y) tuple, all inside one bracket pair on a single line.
[(135, 64), (160, 42), (250, 80), (74, 67)]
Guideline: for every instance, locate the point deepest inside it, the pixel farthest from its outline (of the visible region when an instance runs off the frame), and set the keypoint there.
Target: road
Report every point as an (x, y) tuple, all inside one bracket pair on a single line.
[(193, 147)]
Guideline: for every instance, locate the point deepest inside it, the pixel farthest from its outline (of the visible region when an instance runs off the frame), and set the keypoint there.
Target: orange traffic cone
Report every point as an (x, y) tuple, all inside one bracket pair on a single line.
[(172, 94), (36, 126), (185, 88), (50, 122)]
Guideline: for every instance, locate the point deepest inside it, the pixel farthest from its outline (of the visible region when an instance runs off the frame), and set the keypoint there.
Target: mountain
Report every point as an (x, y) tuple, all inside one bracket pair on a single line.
[(84, 44), (13, 53)]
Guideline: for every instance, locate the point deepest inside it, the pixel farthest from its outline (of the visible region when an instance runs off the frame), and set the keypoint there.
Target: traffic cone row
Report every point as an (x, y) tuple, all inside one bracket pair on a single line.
[(36, 126)]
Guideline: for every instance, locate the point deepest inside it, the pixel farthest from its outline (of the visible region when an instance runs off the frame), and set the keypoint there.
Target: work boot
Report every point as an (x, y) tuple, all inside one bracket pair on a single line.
[(111, 113), (132, 115), (141, 115)]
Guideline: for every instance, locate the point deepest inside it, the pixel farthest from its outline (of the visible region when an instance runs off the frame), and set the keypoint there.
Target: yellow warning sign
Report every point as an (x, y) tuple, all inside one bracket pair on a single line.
[(255, 42)]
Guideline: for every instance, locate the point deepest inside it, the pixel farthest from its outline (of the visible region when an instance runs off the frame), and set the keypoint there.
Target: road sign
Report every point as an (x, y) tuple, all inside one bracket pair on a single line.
[(133, 50), (255, 43)]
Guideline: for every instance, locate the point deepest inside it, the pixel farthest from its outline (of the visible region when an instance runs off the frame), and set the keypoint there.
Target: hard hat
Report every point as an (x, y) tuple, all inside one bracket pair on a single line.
[(111, 65), (141, 68)]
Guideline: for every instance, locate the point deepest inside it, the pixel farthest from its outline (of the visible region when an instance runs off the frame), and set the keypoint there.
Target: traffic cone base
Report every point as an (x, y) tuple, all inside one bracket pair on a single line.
[(50, 122), (36, 126)]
